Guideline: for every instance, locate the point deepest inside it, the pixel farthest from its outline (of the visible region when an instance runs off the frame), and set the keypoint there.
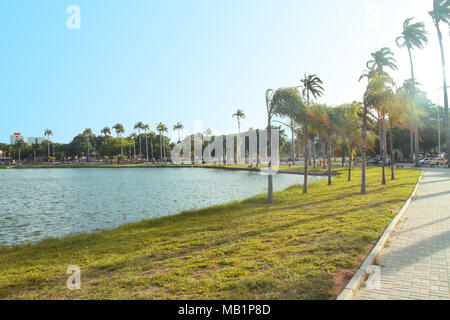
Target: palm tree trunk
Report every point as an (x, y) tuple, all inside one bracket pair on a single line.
[(292, 144), (391, 147), (269, 153), (383, 152), (444, 80), (151, 146), (363, 152), (305, 174), (313, 145), (146, 146), (411, 144), (350, 165), (160, 147), (330, 149), (121, 146), (416, 139), (48, 151), (140, 149), (323, 153)]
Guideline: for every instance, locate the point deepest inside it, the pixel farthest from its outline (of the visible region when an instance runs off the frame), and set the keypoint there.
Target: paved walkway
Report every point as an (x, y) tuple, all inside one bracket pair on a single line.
[(416, 262)]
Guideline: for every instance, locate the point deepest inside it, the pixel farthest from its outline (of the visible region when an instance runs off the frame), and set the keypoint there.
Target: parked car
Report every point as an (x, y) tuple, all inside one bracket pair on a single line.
[(388, 162)]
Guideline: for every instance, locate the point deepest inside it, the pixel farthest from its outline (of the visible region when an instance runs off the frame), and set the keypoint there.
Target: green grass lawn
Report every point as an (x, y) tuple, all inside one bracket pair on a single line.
[(303, 247)]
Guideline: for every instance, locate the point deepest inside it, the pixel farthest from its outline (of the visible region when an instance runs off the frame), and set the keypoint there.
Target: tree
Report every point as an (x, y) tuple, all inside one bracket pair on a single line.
[(152, 136), (161, 127), (120, 130), (413, 36), (88, 133), (311, 86), (288, 103), (139, 126), (441, 13), (381, 59), (271, 112), (146, 129), (239, 115), (48, 133), (106, 131), (178, 127)]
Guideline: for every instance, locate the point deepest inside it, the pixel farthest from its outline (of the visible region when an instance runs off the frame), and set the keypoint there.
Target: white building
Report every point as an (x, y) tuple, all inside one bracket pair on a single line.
[(14, 138)]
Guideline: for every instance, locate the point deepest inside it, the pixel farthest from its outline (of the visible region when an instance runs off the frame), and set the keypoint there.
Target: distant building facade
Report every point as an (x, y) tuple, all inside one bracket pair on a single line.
[(31, 140)]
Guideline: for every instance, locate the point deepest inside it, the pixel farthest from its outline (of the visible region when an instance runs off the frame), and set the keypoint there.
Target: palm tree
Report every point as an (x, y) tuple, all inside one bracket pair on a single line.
[(413, 36), (311, 86), (152, 136), (239, 115), (271, 112), (87, 132), (133, 137), (48, 133), (178, 127), (120, 130), (381, 59), (106, 131), (161, 127), (441, 13), (139, 126), (288, 103), (19, 143), (146, 128)]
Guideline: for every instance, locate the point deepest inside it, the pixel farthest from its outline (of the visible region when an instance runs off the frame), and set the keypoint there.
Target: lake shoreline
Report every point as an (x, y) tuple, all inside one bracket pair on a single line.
[(311, 172)]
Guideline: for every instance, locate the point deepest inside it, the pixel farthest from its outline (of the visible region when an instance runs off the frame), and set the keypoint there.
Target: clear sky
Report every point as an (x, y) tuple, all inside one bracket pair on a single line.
[(190, 60)]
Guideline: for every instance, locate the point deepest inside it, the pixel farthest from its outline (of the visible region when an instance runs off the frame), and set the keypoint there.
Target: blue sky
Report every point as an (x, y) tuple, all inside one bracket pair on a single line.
[(189, 60)]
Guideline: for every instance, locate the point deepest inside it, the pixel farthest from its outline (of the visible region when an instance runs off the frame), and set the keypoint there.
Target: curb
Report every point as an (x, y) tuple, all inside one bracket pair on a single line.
[(358, 278)]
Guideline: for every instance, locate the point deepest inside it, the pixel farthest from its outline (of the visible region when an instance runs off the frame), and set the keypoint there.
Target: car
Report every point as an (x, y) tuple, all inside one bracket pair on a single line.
[(388, 162)]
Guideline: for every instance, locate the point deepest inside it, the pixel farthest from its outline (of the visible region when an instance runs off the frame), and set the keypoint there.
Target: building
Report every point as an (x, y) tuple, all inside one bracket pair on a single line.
[(38, 140), (30, 140), (16, 137)]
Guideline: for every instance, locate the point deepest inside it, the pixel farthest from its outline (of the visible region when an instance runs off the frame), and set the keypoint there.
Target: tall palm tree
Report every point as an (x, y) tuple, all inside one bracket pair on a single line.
[(239, 115), (178, 127), (413, 36), (139, 126), (271, 112), (133, 137), (48, 133), (441, 13), (381, 59), (120, 130), (106, 131), (311, 86), (87, 132), (161, 127), (152, 136), (146, 128)]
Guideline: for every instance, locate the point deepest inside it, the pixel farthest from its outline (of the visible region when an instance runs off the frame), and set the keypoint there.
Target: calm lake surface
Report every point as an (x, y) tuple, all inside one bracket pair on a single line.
[(39, 203)]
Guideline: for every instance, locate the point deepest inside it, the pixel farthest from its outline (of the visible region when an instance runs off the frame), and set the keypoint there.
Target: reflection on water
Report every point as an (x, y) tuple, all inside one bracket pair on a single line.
[(41, 203)]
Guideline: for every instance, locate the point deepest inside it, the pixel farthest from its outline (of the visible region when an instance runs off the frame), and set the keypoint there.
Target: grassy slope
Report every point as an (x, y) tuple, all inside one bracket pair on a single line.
[(296, 249)]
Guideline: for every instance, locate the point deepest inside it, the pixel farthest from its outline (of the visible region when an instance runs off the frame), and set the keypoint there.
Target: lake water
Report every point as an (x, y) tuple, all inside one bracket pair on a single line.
[(39, 203)]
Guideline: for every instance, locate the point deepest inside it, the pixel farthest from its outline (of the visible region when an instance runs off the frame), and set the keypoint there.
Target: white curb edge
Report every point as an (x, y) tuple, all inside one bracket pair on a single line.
[(358, 278)]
